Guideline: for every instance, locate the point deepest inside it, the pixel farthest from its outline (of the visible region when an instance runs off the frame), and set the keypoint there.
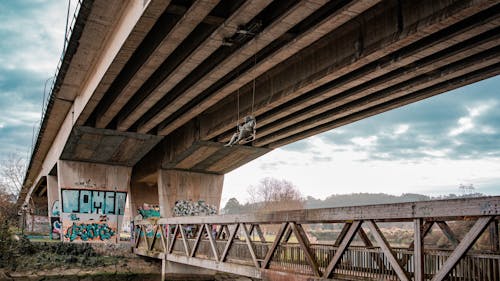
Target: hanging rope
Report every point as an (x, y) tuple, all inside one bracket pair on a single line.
[(254, 64), (237, 107)]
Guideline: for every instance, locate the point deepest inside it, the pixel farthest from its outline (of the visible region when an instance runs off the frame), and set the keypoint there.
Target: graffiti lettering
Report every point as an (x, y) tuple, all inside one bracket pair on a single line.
[(91, 231), (93, 201), (73, 217)]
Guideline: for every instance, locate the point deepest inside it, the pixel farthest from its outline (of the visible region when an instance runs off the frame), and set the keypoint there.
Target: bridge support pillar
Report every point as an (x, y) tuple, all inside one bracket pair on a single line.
[(176, 185), (183, 271), (93, 200), (54, 207), (36, 219), (140, 194)]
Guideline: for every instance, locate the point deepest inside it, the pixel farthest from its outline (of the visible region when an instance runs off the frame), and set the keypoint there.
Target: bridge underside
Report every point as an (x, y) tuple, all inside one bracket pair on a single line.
[(148, 92), (190, 69)]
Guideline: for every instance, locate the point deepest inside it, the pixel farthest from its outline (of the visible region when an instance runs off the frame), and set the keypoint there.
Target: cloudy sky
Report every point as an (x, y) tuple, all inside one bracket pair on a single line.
[(430, 147)]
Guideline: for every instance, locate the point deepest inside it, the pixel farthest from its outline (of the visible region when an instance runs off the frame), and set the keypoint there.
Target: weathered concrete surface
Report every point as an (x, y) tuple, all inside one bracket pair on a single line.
[(92, 196), (107, 146), (174, 185)]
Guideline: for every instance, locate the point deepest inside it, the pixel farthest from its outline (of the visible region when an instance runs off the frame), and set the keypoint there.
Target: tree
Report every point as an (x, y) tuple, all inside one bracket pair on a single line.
[(8, 210), (272, 195), (12, 171), (233, 206)]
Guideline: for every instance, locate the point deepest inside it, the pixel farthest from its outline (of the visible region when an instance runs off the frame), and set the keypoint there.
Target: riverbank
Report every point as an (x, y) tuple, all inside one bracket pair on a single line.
[(22, 259)]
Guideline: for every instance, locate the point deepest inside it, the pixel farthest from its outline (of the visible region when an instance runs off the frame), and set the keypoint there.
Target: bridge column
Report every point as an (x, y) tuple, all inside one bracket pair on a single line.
[(93, 200), (176, 185), (140, 194), (54, 207), (37, 220)]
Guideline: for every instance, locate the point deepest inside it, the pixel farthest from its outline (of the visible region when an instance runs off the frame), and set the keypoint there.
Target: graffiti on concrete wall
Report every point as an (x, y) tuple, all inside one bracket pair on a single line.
[(90, 227), (55, 223), (91, 215), (92, 231), (93, 201), (55, 209)]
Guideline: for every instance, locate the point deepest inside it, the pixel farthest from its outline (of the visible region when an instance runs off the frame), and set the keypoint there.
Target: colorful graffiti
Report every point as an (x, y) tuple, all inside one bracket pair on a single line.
[(91, 215), (73, 217), (55, 209), (55, 223), (148, 211), (93, 201), (90, 231)]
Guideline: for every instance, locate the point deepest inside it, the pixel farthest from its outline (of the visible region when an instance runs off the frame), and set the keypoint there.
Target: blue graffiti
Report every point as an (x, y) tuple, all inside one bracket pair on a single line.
[(89, 232), (73, 217)]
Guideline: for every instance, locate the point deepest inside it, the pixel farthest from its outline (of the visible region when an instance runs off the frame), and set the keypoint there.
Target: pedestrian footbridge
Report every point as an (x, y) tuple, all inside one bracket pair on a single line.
[(278, 246)]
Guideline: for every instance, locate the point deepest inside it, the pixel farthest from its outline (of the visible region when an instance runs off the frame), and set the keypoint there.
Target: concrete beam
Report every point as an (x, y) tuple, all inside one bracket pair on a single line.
[(107, 146), (419, 95), (239, 18), (281, 25), (333, 21), (348, 48), (186, 24), (377, 76), (344, 105), (145, 18)]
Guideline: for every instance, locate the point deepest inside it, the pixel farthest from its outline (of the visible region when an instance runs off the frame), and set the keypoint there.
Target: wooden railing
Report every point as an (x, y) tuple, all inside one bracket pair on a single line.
[(238, 244)]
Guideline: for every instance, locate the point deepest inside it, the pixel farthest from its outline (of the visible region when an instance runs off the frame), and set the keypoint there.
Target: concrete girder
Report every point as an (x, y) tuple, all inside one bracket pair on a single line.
[(325, 63), (186, 24), (333, 21), (290, 115), (240, 17), (343, 106), (107, 146), (147, 19), (281, 25), (376, 77), (395, 103)]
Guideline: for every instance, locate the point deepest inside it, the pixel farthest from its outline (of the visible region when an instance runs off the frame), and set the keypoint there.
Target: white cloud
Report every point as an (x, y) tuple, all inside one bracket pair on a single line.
[(401, 129), (365, 141), (38, 34), (466, 123)]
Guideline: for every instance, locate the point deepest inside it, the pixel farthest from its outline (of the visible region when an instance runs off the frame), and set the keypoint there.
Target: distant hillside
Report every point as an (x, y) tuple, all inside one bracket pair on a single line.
[(343, 200), (359, 199)]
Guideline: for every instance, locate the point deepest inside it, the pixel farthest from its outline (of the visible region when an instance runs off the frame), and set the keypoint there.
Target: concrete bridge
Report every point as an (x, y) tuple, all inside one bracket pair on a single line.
[(147, 92)]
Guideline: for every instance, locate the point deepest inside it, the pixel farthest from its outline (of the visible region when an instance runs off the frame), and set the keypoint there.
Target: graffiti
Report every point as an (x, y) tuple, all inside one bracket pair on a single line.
[(73, 217), (55, 222), (149, 211), (103, 218), (86, 183), (93, 201), (55, 209), (91, 231)]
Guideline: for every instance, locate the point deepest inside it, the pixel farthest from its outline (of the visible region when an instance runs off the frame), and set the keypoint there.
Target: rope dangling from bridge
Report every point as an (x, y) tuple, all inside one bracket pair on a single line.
[(245, 132)]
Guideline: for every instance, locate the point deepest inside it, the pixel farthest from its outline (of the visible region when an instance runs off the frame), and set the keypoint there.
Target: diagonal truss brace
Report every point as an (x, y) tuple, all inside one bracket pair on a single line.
[(387, 250)]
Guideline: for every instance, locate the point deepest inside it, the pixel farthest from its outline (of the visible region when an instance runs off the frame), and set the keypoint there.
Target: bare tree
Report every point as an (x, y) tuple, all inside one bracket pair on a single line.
[(11, 174), (272, 195)]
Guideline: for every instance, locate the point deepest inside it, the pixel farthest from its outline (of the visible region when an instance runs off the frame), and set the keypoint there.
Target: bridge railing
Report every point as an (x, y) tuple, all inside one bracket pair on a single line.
[(267, 245)]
